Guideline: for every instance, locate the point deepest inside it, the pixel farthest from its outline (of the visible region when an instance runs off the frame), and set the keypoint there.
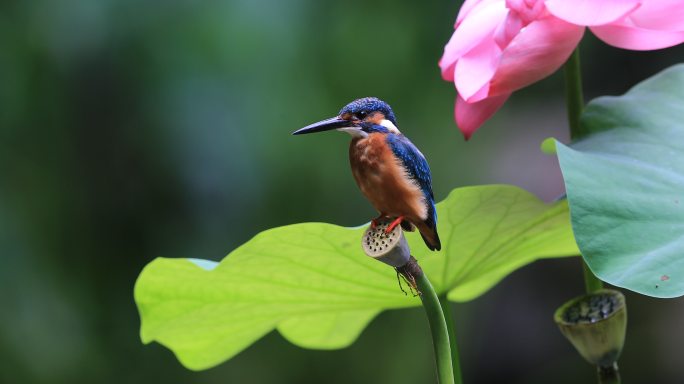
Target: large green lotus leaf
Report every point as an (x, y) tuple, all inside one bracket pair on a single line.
[(313, 283), (625, 186), (488, 232)]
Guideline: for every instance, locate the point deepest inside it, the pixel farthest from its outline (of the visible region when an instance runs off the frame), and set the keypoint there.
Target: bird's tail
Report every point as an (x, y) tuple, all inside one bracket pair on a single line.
[(430, 237), (428, 231)]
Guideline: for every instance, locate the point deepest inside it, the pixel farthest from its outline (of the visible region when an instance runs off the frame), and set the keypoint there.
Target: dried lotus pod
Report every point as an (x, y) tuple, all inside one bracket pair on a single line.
[(390, 248)]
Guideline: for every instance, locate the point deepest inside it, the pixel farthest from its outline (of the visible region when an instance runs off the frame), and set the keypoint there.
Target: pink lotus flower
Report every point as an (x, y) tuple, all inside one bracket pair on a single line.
[(500, 46)]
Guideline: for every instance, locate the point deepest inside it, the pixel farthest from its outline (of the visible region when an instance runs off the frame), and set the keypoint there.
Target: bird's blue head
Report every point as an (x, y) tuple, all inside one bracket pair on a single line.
[(362, 108), (358, 118)]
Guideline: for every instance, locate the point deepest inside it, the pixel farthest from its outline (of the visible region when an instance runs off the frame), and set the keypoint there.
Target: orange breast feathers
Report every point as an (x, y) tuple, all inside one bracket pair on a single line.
[(384, 181)]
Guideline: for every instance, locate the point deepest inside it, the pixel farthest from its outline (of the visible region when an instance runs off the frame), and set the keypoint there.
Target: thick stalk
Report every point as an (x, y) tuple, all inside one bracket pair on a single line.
[(455, 364), (575, 103), (574, 99), (609, 375), (591, 282), (438, 328)]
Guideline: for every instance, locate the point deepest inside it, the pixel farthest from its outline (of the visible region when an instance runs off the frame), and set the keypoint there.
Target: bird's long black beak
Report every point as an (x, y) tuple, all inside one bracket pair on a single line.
[(324, 125)]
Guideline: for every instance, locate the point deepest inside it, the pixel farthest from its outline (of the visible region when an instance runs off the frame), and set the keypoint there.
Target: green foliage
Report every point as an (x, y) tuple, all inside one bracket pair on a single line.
[(548, 146), (488, 232), (313, 283), (625, 186)]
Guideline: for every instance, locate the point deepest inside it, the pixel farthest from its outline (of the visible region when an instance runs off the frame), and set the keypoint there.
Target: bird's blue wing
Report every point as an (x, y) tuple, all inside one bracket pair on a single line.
[(413, 160), (416, 166)]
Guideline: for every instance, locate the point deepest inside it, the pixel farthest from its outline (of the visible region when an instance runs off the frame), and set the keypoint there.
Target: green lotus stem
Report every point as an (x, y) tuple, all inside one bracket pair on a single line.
[(392, 249), (574, 100), (438, 329), (609, 375), (438, 326), (455, 364), (591, 282)]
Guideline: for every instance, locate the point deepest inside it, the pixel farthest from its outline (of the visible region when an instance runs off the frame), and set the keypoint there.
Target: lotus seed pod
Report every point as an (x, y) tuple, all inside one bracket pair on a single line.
[(390, 248), (595, 324)]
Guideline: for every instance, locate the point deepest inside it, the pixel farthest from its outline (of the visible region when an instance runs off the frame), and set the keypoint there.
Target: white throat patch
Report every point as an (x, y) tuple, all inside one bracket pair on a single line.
[(353, 131), (390, 126)]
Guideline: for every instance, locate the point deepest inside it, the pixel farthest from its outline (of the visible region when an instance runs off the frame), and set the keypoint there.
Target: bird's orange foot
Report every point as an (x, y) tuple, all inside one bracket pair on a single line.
[(393, 224)]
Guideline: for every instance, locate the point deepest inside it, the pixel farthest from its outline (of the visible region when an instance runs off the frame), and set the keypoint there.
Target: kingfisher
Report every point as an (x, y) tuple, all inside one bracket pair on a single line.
[(390, 171)]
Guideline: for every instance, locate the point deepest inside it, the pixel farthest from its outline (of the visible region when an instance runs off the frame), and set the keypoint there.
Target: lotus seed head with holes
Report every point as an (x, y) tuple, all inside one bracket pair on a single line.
[(390, 248), (595, 324)]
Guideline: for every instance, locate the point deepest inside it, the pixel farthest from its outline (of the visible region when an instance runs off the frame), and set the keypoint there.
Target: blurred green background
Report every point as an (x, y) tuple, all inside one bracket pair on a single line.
[(136, 129)]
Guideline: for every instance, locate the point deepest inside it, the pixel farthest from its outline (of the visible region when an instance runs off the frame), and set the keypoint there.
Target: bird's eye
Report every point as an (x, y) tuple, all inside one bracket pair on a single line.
[(361, 115)]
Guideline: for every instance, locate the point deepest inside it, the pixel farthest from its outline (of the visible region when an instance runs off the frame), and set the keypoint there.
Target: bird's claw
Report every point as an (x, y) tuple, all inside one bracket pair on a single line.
[(393, 224)]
